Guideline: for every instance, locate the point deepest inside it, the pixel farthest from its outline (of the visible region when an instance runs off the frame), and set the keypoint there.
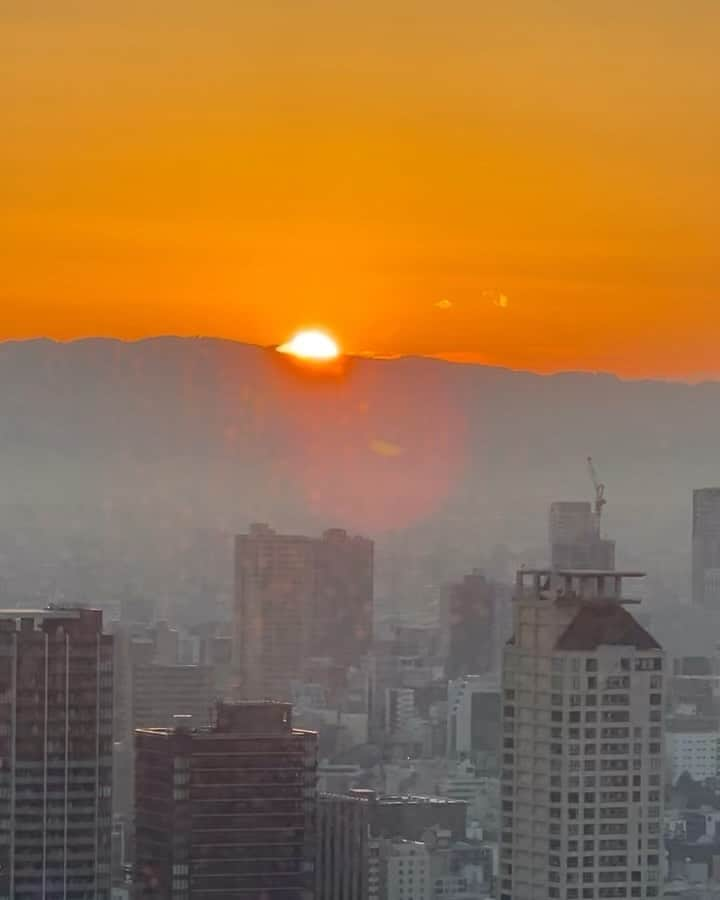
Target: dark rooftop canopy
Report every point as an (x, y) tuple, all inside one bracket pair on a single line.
[(605, 623)]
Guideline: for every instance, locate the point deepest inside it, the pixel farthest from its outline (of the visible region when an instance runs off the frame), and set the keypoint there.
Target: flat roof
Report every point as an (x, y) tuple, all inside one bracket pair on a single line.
[(72, 612), (584, 573)]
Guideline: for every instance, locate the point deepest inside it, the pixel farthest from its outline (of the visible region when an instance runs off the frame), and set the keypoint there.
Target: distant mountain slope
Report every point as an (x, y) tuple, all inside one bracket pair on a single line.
[(212, 433)]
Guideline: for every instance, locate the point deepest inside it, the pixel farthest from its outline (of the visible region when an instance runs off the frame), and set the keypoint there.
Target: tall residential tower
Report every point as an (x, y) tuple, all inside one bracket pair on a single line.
[(582, 777), (298, 598)]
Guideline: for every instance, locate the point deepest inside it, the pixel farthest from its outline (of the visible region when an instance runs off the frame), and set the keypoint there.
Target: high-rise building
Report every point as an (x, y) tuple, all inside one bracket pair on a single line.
[(575, 541), (297, 598), (469, 625), (227, 811), (582, 777), (55, 755), (706, 547)]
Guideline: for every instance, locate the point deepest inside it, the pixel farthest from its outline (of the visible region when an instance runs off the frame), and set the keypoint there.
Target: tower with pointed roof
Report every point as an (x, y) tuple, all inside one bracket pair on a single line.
[(582, 742)]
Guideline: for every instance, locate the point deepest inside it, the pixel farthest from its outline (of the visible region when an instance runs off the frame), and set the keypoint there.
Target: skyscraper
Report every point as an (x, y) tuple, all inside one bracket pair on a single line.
[(227, 811), (582, 776), (56, 755), (575, 541), (706, 548), (297, 598)]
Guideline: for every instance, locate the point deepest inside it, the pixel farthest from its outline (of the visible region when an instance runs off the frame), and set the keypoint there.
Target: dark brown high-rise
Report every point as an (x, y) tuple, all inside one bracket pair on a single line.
[(227, 812), (296, 598), (55, 755)]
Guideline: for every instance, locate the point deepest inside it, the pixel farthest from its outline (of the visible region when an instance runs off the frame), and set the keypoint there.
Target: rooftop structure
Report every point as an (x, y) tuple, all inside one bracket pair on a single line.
[(582, 757)]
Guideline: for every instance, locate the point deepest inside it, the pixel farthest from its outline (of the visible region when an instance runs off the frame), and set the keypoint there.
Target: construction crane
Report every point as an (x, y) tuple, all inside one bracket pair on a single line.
[(600, 500)]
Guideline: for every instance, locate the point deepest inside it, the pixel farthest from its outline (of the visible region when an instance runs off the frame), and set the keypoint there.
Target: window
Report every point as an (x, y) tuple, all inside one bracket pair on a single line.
[(655, 699), (591, 665)]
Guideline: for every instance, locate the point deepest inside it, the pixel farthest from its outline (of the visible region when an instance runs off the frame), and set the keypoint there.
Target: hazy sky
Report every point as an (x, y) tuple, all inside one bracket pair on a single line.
[(533, 183)]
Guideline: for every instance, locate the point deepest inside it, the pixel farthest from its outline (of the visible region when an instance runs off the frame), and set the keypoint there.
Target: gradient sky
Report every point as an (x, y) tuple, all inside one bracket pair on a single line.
[(533, 183)]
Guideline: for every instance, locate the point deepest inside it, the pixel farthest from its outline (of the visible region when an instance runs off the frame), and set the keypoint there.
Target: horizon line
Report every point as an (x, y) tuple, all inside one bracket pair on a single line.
[(446, 357)]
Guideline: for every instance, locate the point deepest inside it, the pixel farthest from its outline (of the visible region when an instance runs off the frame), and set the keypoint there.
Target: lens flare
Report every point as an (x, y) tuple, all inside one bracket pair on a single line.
[(311, 345)]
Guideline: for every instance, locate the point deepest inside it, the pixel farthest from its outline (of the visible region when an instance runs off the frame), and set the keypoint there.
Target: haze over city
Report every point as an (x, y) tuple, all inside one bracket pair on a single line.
[(359, 450)]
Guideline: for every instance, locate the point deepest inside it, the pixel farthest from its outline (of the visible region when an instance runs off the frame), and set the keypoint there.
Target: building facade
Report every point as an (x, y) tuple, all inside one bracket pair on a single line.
[(228, 811), (470, 625), (575, 541), (693, 747), (56, 755), (356, 834), (583, 747), (473, 728), (298, 598), (706, 547), (162, 692)]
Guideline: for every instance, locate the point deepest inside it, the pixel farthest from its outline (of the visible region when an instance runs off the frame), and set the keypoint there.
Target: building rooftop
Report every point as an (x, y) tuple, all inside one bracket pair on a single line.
[(48, 612), (605, 623)]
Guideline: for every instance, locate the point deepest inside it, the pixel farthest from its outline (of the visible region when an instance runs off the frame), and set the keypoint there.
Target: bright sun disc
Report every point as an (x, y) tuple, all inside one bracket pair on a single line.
[(311, 345)]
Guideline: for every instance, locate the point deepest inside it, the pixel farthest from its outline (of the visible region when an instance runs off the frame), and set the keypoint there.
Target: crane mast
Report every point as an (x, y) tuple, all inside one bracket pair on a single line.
[(600, 500)]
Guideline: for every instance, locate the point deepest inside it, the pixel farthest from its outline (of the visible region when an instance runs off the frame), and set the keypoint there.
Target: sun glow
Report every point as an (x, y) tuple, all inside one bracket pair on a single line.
[(311, 345)]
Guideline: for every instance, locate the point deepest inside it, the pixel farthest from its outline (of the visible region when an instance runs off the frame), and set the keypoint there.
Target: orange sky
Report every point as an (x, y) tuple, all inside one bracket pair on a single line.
[(532, 183)]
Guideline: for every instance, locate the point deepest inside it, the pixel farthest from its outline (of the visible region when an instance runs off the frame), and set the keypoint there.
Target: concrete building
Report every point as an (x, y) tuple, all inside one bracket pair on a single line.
[(55, 755), (227, 811), (404, 872), (298, 598), (356, 830), (481, 792), (706, 547), (434, 868), (575, 541), (469, 625), (582, 777), (473, 728), (162, 692), (693, 746)]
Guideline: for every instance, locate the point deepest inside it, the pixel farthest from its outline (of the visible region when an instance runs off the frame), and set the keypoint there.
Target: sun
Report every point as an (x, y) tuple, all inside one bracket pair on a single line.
[(311, 344)]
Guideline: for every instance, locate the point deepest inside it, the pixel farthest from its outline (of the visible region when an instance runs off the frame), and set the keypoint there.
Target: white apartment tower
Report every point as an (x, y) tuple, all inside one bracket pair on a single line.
[(582, 755)]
